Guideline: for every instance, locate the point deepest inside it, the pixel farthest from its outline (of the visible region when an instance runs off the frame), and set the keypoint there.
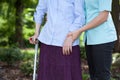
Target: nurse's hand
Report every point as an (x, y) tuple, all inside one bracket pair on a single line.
[(67, 46), (75, 34), (71, 37)]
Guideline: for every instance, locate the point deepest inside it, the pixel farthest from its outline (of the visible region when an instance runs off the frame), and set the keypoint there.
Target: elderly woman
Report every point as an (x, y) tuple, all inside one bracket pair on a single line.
[(63, 16)]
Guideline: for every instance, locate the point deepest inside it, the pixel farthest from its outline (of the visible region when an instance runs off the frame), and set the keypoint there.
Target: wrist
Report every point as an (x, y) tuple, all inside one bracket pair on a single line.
[(70, 36), (36, 33)]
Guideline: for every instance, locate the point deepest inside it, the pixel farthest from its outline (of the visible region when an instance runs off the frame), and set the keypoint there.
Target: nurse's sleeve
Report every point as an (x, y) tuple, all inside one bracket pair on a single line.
[(79, 20), (40, 11), (105, 5)]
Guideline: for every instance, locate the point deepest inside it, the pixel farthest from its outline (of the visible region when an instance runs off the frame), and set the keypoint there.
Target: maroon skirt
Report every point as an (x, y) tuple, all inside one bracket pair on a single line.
[(53, 65)]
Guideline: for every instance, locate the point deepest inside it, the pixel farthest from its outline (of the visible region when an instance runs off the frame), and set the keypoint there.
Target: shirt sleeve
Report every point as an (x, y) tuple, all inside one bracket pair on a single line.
[(105, 5), (40, 11), (79, 15)]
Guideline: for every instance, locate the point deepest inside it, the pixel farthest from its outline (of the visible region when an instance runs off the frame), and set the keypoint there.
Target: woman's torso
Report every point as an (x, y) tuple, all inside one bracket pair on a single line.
[(60, 17)]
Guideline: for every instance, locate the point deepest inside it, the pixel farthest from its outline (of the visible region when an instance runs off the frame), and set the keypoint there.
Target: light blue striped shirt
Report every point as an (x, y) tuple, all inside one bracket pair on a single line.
[(63, 16)]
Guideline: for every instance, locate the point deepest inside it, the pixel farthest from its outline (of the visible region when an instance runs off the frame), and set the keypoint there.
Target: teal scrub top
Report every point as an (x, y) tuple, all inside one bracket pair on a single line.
[(105, 32)]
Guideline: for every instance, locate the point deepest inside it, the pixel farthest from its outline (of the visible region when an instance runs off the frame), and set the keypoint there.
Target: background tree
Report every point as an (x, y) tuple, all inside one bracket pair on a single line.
[(13, 20), (19, 6), (116, 19)]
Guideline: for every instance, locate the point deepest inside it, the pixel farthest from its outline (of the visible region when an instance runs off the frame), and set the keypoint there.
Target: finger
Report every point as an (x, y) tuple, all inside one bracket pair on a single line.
[(36, 41), (70, 48), (66, 50), (33, 38), (33, 41), (30, 40), (63, 49)]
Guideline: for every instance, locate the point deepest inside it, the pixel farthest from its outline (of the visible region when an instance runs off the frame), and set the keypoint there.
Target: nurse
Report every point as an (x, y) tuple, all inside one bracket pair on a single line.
[(100, 35)]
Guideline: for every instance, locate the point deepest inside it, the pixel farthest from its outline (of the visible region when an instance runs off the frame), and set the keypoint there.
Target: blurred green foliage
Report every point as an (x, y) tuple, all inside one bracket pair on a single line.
[(27, 63), (7, 20), (28, 54), (10, 55), (27, 68)]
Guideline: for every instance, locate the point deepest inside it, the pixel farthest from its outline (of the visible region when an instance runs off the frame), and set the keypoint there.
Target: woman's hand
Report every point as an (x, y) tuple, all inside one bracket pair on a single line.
[(67, 46), (33, 39)]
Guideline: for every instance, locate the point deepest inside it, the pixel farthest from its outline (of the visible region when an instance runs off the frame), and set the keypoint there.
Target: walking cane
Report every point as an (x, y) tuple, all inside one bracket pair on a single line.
[(35, 60)]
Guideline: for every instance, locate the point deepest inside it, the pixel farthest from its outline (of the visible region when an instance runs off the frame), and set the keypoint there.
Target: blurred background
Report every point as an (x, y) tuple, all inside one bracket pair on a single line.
[(17, 55)]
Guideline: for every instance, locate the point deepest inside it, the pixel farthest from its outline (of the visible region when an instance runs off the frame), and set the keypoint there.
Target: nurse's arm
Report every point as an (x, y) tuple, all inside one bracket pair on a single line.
[(100, 19)]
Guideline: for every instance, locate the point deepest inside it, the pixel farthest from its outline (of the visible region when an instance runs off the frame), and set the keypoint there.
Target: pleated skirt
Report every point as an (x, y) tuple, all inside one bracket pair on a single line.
[(53, 65)]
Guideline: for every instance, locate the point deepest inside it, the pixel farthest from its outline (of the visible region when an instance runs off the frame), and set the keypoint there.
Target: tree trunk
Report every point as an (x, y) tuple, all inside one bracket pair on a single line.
[(116, 14), (18, 23)]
